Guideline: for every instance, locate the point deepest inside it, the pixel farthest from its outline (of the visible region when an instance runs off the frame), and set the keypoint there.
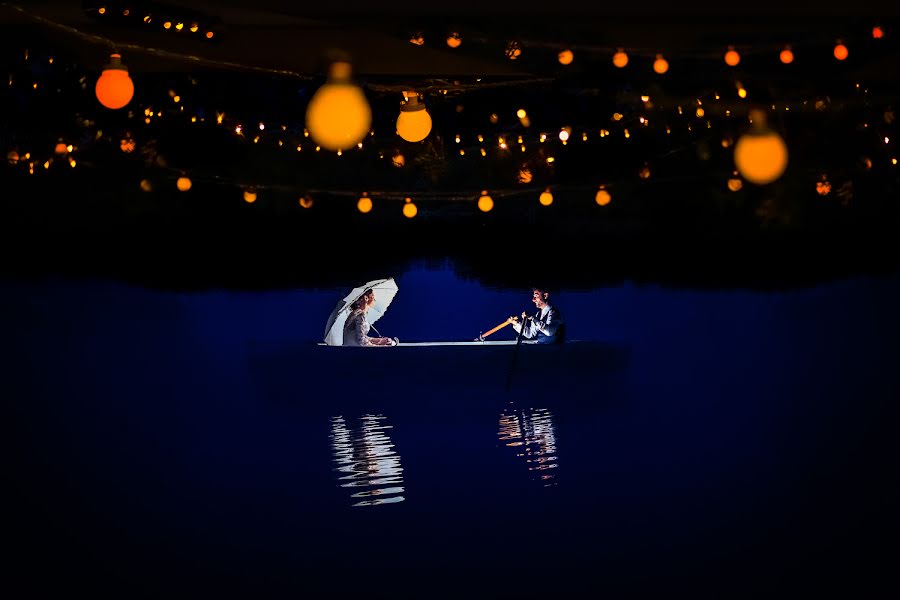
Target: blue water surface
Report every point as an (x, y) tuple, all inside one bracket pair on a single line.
[(745, 447)]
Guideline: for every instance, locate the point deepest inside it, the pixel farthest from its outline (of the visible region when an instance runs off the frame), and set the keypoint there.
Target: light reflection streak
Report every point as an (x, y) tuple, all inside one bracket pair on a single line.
[(532, 432), (364, 457)]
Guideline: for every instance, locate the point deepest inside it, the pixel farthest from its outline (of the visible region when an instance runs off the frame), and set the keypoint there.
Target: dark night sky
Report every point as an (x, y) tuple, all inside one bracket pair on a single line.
[(377, 33), (581, 7)]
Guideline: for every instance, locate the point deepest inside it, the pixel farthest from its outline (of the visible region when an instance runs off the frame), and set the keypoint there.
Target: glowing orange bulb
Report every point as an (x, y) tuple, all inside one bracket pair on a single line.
[(364, 205), (840, 51), (485, 202), (114, 88), (453, 40), (566, 57), (209, 35), (183, 184), (761, 156), (877, 32), (414, 122), (602, 197), (409, 209), (620, 59), (786, 56), (660, 65), (338, 116), (732, 58), (250, 196), (546, 198)]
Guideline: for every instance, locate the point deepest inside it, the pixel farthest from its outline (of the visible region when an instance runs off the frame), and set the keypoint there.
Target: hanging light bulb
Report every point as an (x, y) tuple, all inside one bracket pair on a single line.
[(546, 198), (513, 50), (566, 57), (787, 55), (660, 65), (732, 58), (409, 209), (840, 51), (364, 204), (760, 155), (114, 89), (602, 197), (620, 58), (485, 202), (338, 116), (414, 122)]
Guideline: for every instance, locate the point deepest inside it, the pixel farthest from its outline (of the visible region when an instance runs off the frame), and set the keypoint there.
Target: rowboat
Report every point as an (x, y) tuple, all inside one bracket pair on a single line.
[(438, 367)]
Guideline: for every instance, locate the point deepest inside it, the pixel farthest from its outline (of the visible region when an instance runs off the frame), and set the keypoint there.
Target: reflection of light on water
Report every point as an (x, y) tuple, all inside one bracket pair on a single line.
[(531, 431), (366, 462)]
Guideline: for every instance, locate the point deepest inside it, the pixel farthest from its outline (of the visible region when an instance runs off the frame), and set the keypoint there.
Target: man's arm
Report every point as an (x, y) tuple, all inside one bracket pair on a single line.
[(549, 326), (516, 323)]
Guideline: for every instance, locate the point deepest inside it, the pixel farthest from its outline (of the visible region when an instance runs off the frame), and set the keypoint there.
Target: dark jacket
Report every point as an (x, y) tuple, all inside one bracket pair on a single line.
[(549, 330)]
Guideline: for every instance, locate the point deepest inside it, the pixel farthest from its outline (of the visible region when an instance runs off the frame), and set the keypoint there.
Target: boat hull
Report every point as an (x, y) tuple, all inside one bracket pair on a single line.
[(438, 369)]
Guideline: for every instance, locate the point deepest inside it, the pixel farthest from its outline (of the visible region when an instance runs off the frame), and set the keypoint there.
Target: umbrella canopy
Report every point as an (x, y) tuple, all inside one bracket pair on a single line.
[(385, 290)]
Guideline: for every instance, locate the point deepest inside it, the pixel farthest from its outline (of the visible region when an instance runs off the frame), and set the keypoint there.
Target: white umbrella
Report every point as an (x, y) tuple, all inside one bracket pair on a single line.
[(385, 290)]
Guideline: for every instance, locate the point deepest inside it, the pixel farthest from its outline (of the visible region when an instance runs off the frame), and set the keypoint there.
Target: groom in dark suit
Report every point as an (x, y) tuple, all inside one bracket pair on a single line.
[(546, 326)]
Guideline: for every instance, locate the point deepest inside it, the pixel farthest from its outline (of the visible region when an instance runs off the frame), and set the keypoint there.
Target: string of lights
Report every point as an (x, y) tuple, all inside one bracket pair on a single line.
[(119, 46), (525, 150), (619, 56)]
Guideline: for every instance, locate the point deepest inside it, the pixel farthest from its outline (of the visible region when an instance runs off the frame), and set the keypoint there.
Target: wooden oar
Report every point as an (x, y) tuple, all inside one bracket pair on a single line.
[(512, 364), (494, 330)]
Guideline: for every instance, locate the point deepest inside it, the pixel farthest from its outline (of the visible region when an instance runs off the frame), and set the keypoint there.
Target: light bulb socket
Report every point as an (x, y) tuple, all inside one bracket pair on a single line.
[(412, 104), (339, 70), (115, 63), (759, 118)]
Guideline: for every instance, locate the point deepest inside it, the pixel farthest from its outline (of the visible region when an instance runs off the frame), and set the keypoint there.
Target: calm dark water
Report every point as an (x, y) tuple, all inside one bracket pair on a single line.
[(747, 446)]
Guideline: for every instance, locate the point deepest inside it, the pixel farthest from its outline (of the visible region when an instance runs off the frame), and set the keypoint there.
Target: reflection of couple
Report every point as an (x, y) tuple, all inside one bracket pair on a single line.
[(532, 432), (356, 328)]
